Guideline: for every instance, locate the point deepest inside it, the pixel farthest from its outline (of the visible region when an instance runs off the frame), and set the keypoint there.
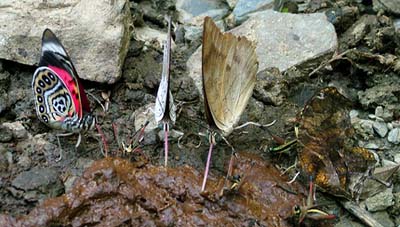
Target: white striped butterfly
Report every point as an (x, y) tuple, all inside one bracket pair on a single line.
[(229, 67), (164, 109), (60, 99)]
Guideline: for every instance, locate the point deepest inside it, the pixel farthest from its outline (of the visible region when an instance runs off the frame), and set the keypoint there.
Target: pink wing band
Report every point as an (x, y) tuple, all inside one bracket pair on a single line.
[(69, 82)]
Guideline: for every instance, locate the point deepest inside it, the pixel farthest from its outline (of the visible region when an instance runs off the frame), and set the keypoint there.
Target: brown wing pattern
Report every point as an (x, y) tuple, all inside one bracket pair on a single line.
[(229, 74)]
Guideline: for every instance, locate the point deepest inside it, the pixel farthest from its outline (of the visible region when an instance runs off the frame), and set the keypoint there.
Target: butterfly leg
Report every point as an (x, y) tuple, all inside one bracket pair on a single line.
[(166, 129), (59, 144), (211, 140), (60, 149)]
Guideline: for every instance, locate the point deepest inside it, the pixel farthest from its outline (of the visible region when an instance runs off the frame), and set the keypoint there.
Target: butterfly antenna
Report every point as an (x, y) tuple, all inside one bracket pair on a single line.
[(97, 101)]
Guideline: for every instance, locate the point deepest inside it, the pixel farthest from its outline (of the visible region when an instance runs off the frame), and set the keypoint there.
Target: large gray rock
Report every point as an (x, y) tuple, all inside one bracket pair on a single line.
[(192, 12), (282, 40), (244, 7), (94, 32)]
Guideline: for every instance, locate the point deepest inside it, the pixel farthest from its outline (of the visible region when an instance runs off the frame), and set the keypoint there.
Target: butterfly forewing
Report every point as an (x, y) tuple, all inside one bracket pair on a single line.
[(229, 74), (165, 108)]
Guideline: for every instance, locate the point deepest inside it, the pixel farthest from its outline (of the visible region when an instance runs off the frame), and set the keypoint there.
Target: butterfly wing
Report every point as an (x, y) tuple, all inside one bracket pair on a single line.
[(55, 57), (165, 107), (54, 102), (229, 68)]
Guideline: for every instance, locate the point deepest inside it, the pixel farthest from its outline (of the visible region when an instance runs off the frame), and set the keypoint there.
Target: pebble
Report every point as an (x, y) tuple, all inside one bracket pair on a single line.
[(380, 128), (18, 130), (380, 201), (5, 134), (394, 136), (383, 218), (38, 183), (379, 111)]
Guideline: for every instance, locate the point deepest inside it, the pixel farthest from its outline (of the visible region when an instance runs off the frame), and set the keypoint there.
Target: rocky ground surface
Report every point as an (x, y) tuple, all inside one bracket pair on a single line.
[(302, 46)]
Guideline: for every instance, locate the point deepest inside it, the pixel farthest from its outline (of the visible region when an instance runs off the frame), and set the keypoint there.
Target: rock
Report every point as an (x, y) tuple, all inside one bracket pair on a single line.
[(379, 111), (364, 128), (192, 12), (345, 222), (149, 35), (231, 3), (396, 23), (3, 159), (38, 183), (17, 129), (381, 95), (244, 7), (380, 128), (397, 158), (282, 40), (271, 87), (354, 116), (383, 218), (143, 114), (391, 6), (385, 114), (95, 33), (194, 32), (380, 201), (5, 134), (394, 136)]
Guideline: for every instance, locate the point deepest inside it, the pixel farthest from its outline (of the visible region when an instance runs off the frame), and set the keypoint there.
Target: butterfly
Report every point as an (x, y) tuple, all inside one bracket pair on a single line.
[(229, 67), (60, 99), (165, 108), (328, 153)]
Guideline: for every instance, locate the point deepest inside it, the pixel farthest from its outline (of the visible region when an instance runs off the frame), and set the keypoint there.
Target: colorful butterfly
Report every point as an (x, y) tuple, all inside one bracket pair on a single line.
[(60, 99), (165, 109), (229, 66)]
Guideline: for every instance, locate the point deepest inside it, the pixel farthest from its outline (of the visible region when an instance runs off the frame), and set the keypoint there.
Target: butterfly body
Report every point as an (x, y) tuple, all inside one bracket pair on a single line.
[(60, 99)]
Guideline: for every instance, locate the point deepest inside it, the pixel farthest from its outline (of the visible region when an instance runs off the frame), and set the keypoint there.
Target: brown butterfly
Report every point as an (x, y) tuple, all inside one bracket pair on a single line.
[(229, 67), (165, 109), (328, 154)]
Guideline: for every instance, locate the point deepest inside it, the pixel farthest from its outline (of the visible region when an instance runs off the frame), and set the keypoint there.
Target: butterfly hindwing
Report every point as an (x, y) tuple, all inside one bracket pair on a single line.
[(229, 67), (53, 100)]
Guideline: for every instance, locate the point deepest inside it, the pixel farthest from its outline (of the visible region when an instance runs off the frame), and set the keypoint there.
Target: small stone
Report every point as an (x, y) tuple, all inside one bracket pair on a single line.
[(177, 158), (371, 116), (380, 128), (394, 136), (38, 183), (371, 146), (24, 161), (18, 130), (391, 6), (383, 218), (380, 201), (390, 126), (5, 134), (397, 158), (364, 128), (149, 35), (379, 111), (144, 114)]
